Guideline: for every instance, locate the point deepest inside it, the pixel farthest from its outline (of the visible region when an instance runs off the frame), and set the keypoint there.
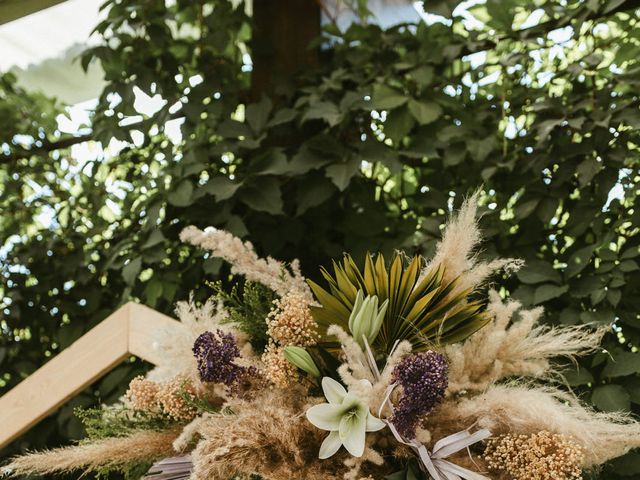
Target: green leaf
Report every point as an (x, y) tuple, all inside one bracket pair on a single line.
[(156, 237), (152, 292), (423, 75), (131, 270), (326, 111), (588, 169), (387, 98), (272, 162), (577, 376), (579, 260), (398, 124), (481, 148), (627, 465), (622, 364), (628, 266), (221, 187), (180, 196), (264, 196), (548, 292), (425, 112), (611, 398), (538, 271), (342, 173), (282, 116), (233, 129), (443, 8), (312, 193), (258, 113), (524, 209)]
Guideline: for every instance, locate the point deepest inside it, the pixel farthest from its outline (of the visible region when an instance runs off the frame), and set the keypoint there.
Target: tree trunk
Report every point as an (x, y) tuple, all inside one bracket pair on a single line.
[(282, 31)]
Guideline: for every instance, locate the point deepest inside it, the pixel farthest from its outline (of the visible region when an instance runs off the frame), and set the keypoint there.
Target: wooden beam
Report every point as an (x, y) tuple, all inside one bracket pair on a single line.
[(13, 9), (128, 331), (144, 322)]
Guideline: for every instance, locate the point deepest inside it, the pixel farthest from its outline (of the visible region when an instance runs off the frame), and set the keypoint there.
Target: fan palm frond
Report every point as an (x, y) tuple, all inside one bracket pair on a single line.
[(424, 310)]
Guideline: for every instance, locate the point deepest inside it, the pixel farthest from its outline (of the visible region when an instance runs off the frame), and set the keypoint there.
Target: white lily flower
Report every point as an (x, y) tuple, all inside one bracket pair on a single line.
[(346, 416)]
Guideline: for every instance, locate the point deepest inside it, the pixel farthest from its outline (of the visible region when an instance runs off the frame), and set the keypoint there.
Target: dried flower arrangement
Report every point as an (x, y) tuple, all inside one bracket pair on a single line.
[(393, 371)]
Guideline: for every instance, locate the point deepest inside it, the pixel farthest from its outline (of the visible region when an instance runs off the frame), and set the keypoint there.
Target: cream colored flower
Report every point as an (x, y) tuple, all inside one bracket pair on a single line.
[(366, 318), (346, 416)]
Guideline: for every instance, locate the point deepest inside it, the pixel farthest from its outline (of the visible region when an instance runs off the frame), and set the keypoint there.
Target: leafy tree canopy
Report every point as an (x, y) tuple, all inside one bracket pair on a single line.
[(367, 147)]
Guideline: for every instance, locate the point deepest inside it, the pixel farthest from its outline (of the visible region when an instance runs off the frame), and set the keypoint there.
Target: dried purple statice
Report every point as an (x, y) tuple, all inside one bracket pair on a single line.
[(424, 380), (216, 354)]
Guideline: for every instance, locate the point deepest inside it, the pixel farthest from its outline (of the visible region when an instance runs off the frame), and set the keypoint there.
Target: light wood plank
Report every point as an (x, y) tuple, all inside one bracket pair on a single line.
[(127, 331), (144, 323)]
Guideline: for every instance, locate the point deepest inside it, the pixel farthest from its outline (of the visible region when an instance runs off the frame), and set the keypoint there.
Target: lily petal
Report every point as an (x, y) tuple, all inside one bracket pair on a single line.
[(352, 433), (334, 392), (330, 445), (325, 416), (374, 424)]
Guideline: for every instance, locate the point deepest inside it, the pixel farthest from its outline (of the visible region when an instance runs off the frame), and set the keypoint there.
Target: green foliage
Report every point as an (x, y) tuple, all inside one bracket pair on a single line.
[(547, 122), (248, 307), (117, 421)]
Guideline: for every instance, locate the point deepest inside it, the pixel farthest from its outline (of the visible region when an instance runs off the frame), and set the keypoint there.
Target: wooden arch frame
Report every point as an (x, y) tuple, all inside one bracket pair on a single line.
[(127, 331)]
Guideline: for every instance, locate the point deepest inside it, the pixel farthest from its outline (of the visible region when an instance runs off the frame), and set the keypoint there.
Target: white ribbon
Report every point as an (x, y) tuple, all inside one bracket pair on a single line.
[(434, 463)]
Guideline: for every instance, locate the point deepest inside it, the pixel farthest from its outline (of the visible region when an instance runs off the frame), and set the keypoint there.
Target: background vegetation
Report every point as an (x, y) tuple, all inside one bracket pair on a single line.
[(363, 139)]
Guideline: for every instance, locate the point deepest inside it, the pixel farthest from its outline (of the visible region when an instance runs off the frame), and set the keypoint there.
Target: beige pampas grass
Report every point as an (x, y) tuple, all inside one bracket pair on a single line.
[(244, 261), (504, 348), (456, 252), (269, 436), (523, 409), (109, 453)]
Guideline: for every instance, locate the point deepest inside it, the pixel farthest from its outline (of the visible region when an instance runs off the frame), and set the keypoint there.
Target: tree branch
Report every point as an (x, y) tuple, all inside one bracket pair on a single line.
[(550, 25)]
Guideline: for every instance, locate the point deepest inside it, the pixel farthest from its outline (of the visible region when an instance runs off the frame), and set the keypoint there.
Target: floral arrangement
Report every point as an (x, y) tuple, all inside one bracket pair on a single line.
[(411, 369)]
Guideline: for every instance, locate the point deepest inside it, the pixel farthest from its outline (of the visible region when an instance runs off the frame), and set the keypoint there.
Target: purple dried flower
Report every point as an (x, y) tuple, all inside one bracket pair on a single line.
[(215, 354), (424, 380)]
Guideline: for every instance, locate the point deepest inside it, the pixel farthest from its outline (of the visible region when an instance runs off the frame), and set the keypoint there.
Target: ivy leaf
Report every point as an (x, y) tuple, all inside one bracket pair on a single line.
[(425, 112), (131, 270), (611, 398), (387, 98), (265, 196)]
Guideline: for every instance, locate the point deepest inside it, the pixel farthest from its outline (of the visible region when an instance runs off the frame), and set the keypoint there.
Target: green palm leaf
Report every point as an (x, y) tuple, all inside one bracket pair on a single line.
[(424, 310)]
